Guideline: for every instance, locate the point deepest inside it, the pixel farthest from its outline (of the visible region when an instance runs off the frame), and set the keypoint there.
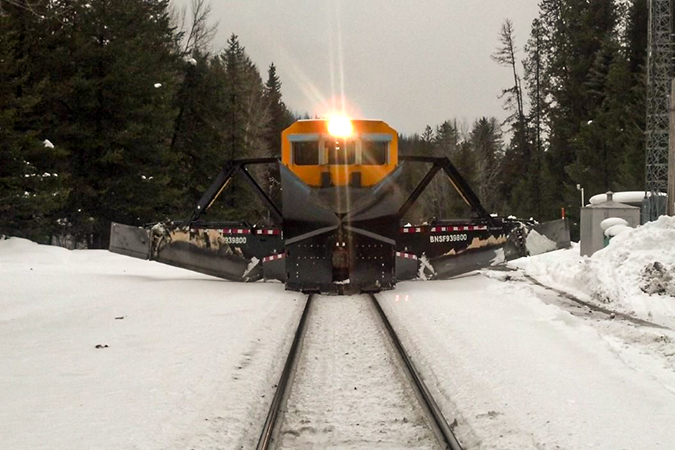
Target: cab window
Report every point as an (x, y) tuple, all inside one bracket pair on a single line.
[(374, 153), (306, 153), (341, 151)]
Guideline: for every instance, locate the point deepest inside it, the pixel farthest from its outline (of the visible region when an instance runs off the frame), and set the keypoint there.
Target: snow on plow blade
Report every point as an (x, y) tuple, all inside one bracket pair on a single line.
[(448, 250), (524, 241), (203, 250)]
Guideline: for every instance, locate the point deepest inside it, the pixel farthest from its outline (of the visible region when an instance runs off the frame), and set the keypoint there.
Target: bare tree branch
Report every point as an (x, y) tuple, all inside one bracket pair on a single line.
[(506, 56), (41, 9), (197, 32)]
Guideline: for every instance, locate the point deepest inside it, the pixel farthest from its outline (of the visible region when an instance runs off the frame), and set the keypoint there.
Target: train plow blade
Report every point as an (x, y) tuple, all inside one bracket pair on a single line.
[(203, 250), (338, 228)]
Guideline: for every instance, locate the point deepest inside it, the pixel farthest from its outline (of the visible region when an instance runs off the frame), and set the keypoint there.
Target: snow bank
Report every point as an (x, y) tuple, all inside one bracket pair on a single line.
[(635, 265), (634, 273), (16, 250)]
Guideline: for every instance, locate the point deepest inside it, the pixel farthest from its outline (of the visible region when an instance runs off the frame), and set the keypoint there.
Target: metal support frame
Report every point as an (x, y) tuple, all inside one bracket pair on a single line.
[(222, 181), (233, 167), (458, 182), (670, 208), (419, 189), (659, 73)]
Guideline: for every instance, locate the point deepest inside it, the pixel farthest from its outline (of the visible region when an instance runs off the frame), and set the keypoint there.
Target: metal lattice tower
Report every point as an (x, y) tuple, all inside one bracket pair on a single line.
[(659, 74)]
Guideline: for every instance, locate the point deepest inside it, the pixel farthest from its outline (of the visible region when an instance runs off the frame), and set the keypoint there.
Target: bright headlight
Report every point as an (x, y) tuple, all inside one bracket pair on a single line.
[(340, 126)]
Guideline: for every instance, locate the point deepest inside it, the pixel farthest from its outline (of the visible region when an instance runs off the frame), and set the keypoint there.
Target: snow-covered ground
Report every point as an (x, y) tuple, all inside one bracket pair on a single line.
[(187, 360), (518, 373), (191, 361)]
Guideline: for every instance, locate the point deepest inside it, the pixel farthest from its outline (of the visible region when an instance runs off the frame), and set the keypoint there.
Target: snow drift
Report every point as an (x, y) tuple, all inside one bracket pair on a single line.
[(635, 273)]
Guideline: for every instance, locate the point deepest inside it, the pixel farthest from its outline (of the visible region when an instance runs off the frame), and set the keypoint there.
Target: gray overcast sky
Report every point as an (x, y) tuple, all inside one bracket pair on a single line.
[(411, 63)]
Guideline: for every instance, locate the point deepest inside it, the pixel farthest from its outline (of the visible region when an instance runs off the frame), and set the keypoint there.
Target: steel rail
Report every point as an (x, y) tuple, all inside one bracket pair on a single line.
[(449, 437), (270, 422)]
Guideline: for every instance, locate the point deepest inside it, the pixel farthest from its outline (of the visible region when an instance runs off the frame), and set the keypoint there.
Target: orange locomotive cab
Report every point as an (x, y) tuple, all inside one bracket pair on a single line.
[(340, 207), (356, 153)]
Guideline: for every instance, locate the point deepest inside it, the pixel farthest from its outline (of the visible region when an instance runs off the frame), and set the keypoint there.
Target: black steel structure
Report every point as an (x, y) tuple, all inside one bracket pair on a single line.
[(333, 239)]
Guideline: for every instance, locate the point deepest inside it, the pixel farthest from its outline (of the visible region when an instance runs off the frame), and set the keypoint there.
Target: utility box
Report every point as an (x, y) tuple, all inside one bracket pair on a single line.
[(592, 236)]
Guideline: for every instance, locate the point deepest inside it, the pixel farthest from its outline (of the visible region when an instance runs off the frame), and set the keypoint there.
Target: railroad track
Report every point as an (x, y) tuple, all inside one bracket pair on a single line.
[(341, 345)]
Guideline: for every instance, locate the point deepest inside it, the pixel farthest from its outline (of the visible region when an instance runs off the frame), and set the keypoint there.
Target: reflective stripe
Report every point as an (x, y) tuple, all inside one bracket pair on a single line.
[(236, 231), (406, 255), (459, 228), (224, 230), (274, 257), (444, 229), (268, 232), (412, 229)]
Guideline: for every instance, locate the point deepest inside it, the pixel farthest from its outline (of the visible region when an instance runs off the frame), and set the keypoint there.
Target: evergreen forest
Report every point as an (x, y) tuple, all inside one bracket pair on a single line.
[(120, 110)]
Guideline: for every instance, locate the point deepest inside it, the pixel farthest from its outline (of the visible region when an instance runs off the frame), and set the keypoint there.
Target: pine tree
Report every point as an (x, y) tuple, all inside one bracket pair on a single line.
[(486, 141), (197, 141), (444, 142), (247, 114), (597, 145), (527, 196), (634, 41), (32, 189), (610, 141), (280, 117), (573, 31), (111, 108), (245, 123), (520, 188), (506, 56)]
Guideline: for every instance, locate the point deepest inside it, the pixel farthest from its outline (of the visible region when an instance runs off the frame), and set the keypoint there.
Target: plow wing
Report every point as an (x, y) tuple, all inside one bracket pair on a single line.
[(448, 250), (229, 250), (231, 253), (339, 239), (130, 241)]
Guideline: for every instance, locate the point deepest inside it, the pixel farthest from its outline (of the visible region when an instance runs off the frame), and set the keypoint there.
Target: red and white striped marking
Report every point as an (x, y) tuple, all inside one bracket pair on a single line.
[(236, 231), (459, 228), (405, 255), (413, 229), (274, 257), (268, 231), (448, 229)]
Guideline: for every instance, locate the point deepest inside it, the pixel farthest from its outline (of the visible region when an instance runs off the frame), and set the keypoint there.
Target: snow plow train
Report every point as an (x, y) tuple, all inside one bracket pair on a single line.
[(339, 229)]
